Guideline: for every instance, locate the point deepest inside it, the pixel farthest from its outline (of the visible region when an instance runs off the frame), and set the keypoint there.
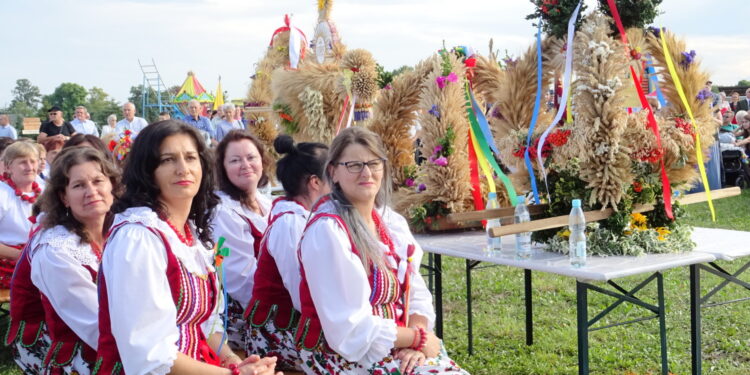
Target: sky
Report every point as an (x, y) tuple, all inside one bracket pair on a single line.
[(99, 42)]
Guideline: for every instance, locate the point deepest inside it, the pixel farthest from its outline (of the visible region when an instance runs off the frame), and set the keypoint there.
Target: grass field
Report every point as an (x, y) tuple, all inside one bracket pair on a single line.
[(499, 336)]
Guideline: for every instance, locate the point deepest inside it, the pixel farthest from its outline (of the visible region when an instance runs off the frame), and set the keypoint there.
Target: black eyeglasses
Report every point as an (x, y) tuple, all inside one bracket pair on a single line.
[(375, 165)]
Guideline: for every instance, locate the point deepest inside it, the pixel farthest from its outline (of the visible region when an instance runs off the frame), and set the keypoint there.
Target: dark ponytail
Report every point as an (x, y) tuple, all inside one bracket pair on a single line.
[(300, 161)]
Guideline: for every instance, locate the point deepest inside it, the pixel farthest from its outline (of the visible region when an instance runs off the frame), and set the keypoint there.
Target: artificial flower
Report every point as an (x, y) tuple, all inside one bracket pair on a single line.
[(441, 161)]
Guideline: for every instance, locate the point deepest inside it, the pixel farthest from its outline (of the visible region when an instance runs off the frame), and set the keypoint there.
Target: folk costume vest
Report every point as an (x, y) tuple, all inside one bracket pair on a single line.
[(270, 298), (194, 297), (388, 297)]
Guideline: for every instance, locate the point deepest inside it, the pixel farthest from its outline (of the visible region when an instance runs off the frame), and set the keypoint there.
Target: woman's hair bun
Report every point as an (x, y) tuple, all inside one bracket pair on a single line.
[(284, 144)]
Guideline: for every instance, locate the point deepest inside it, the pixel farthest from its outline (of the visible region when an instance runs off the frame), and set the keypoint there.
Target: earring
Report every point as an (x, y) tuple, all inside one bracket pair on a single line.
[(67, 211)]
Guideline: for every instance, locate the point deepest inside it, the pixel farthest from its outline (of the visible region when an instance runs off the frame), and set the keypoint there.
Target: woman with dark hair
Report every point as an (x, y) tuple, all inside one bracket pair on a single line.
[(55, 279), (365, 307), (159, 296), (274, 308), (241, 219), (88, 140)]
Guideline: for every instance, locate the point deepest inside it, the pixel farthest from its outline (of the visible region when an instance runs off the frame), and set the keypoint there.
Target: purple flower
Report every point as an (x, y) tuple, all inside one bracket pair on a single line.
[(656, 31), (421, 188), (509, 62), (704, 95), (409, 182), (687, 58), (437, 149), (441, 161), (387, 87), (434, 111)]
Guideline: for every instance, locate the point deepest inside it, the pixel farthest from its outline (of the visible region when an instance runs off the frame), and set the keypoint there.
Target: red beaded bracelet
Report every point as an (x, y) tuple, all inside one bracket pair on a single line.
[(422, 339), (233, 367), (417, 339)]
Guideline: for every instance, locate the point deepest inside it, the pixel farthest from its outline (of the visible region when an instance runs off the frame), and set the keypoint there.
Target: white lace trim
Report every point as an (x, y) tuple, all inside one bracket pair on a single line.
[(60, 239), (196, 259)]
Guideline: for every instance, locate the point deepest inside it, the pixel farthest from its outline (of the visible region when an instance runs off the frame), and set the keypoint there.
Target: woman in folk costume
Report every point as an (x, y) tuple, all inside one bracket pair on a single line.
[(18, 191), (56, 275), (241, 218), (159, 299), (274, 309), (365, 307)]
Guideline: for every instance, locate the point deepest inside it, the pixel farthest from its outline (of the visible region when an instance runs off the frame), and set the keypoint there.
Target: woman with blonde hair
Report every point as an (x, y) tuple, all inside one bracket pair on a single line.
[(365, 307)]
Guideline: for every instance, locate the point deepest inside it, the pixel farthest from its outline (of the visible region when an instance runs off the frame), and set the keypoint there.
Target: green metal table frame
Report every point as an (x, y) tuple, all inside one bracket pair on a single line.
[(698, 302), (585, 326)]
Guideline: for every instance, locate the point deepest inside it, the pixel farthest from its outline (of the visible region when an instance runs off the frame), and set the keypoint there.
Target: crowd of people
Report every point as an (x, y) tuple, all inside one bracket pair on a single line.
[(165, 257)]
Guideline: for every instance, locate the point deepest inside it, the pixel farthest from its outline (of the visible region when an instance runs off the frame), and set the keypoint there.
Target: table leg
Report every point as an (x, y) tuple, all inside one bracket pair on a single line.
[(695, 319), (662, 323), (438, 295), (470, 329), (529, 307), (583, 328)]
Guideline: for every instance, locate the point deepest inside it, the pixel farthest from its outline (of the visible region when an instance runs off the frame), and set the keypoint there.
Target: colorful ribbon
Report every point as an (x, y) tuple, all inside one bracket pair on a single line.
[(654, 79), (296, 53), (483, 149), (567, 74), (651, 120), (535, 115), (698, 152), (476, 190), (483, 124)]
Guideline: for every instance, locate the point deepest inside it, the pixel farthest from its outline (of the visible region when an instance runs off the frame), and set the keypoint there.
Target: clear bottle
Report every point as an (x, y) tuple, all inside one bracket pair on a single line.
[(494, 244), (577, 240), (523, 240)]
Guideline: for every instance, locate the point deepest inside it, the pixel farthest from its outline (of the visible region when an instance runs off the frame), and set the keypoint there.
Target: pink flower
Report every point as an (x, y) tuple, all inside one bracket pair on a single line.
[(409, 182), (443, 80), (441, 161), (437, 149)]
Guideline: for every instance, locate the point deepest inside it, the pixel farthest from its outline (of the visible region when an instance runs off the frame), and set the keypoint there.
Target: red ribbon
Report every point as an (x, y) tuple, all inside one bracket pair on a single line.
[(476, 191), (665, 184)]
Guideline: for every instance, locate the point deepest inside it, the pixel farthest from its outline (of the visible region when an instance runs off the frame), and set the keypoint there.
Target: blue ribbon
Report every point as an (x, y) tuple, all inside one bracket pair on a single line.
[(483, 125), (535, 115), (654, 79)]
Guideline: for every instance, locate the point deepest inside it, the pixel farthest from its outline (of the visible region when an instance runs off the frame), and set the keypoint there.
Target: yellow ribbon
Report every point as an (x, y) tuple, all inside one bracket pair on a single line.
[(698, 152), (569, 109), (484, 164)]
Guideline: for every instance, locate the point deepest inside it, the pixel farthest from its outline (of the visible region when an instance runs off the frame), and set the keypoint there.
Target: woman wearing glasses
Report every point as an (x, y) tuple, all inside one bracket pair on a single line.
[(365, 307)]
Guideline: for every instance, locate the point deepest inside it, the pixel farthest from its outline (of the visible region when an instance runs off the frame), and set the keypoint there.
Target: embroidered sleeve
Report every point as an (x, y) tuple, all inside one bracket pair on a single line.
[(340, 289), (70, 290), (141, 307)]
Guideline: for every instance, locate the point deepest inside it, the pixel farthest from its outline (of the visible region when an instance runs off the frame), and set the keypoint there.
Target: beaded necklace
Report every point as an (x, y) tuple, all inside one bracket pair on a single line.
[(34, 187), (187, 239)]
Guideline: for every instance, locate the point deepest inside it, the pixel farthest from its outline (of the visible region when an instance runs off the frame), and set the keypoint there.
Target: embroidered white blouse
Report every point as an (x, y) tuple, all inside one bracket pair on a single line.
[(340, 288), (282, 238), (58, 261), (14, 217), (141, 308), (231, 222)]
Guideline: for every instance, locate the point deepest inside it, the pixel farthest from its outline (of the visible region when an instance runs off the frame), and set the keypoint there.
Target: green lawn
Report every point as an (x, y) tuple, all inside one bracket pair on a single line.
[(499, 336)]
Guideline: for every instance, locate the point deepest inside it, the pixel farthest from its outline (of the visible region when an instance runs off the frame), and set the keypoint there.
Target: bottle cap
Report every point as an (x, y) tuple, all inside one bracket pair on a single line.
[(521, 199), (492, 195), (576, 203)]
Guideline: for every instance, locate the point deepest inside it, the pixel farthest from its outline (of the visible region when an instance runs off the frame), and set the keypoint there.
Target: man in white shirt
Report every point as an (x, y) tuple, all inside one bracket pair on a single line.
[(130, 122), (6, 129), (82, 124)]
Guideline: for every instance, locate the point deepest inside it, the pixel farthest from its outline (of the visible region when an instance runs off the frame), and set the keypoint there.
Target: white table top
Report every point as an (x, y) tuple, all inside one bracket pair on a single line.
[(470, 245), (722, 243)]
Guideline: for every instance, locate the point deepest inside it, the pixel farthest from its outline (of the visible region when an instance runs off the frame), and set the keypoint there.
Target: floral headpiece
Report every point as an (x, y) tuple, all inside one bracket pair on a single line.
[(121, 148)]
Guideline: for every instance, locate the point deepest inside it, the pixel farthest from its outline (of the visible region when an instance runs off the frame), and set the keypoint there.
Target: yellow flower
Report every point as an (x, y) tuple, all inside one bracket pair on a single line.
[(638, 221), (663, 232), (564, 233)]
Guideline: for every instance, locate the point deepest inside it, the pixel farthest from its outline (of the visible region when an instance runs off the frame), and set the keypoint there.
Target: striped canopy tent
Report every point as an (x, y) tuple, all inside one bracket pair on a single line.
[(192, 89)]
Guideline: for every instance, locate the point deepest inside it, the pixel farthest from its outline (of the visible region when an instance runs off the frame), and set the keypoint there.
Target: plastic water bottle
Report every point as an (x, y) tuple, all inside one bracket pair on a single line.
[(494, 244), (577, 227), (523, 240)]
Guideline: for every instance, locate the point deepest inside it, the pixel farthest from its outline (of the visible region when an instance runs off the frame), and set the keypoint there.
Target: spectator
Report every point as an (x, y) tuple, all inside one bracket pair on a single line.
[(53, 147), (228, 123), (734, 102), (109, 128), (6, 129), (56, 126), (87, 140), (723, 102), (82, 124), (726, 122), (199, 122), (41, 178), (164, 116), (130, 121), (714, 97), (743, 104), (4, 143)]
